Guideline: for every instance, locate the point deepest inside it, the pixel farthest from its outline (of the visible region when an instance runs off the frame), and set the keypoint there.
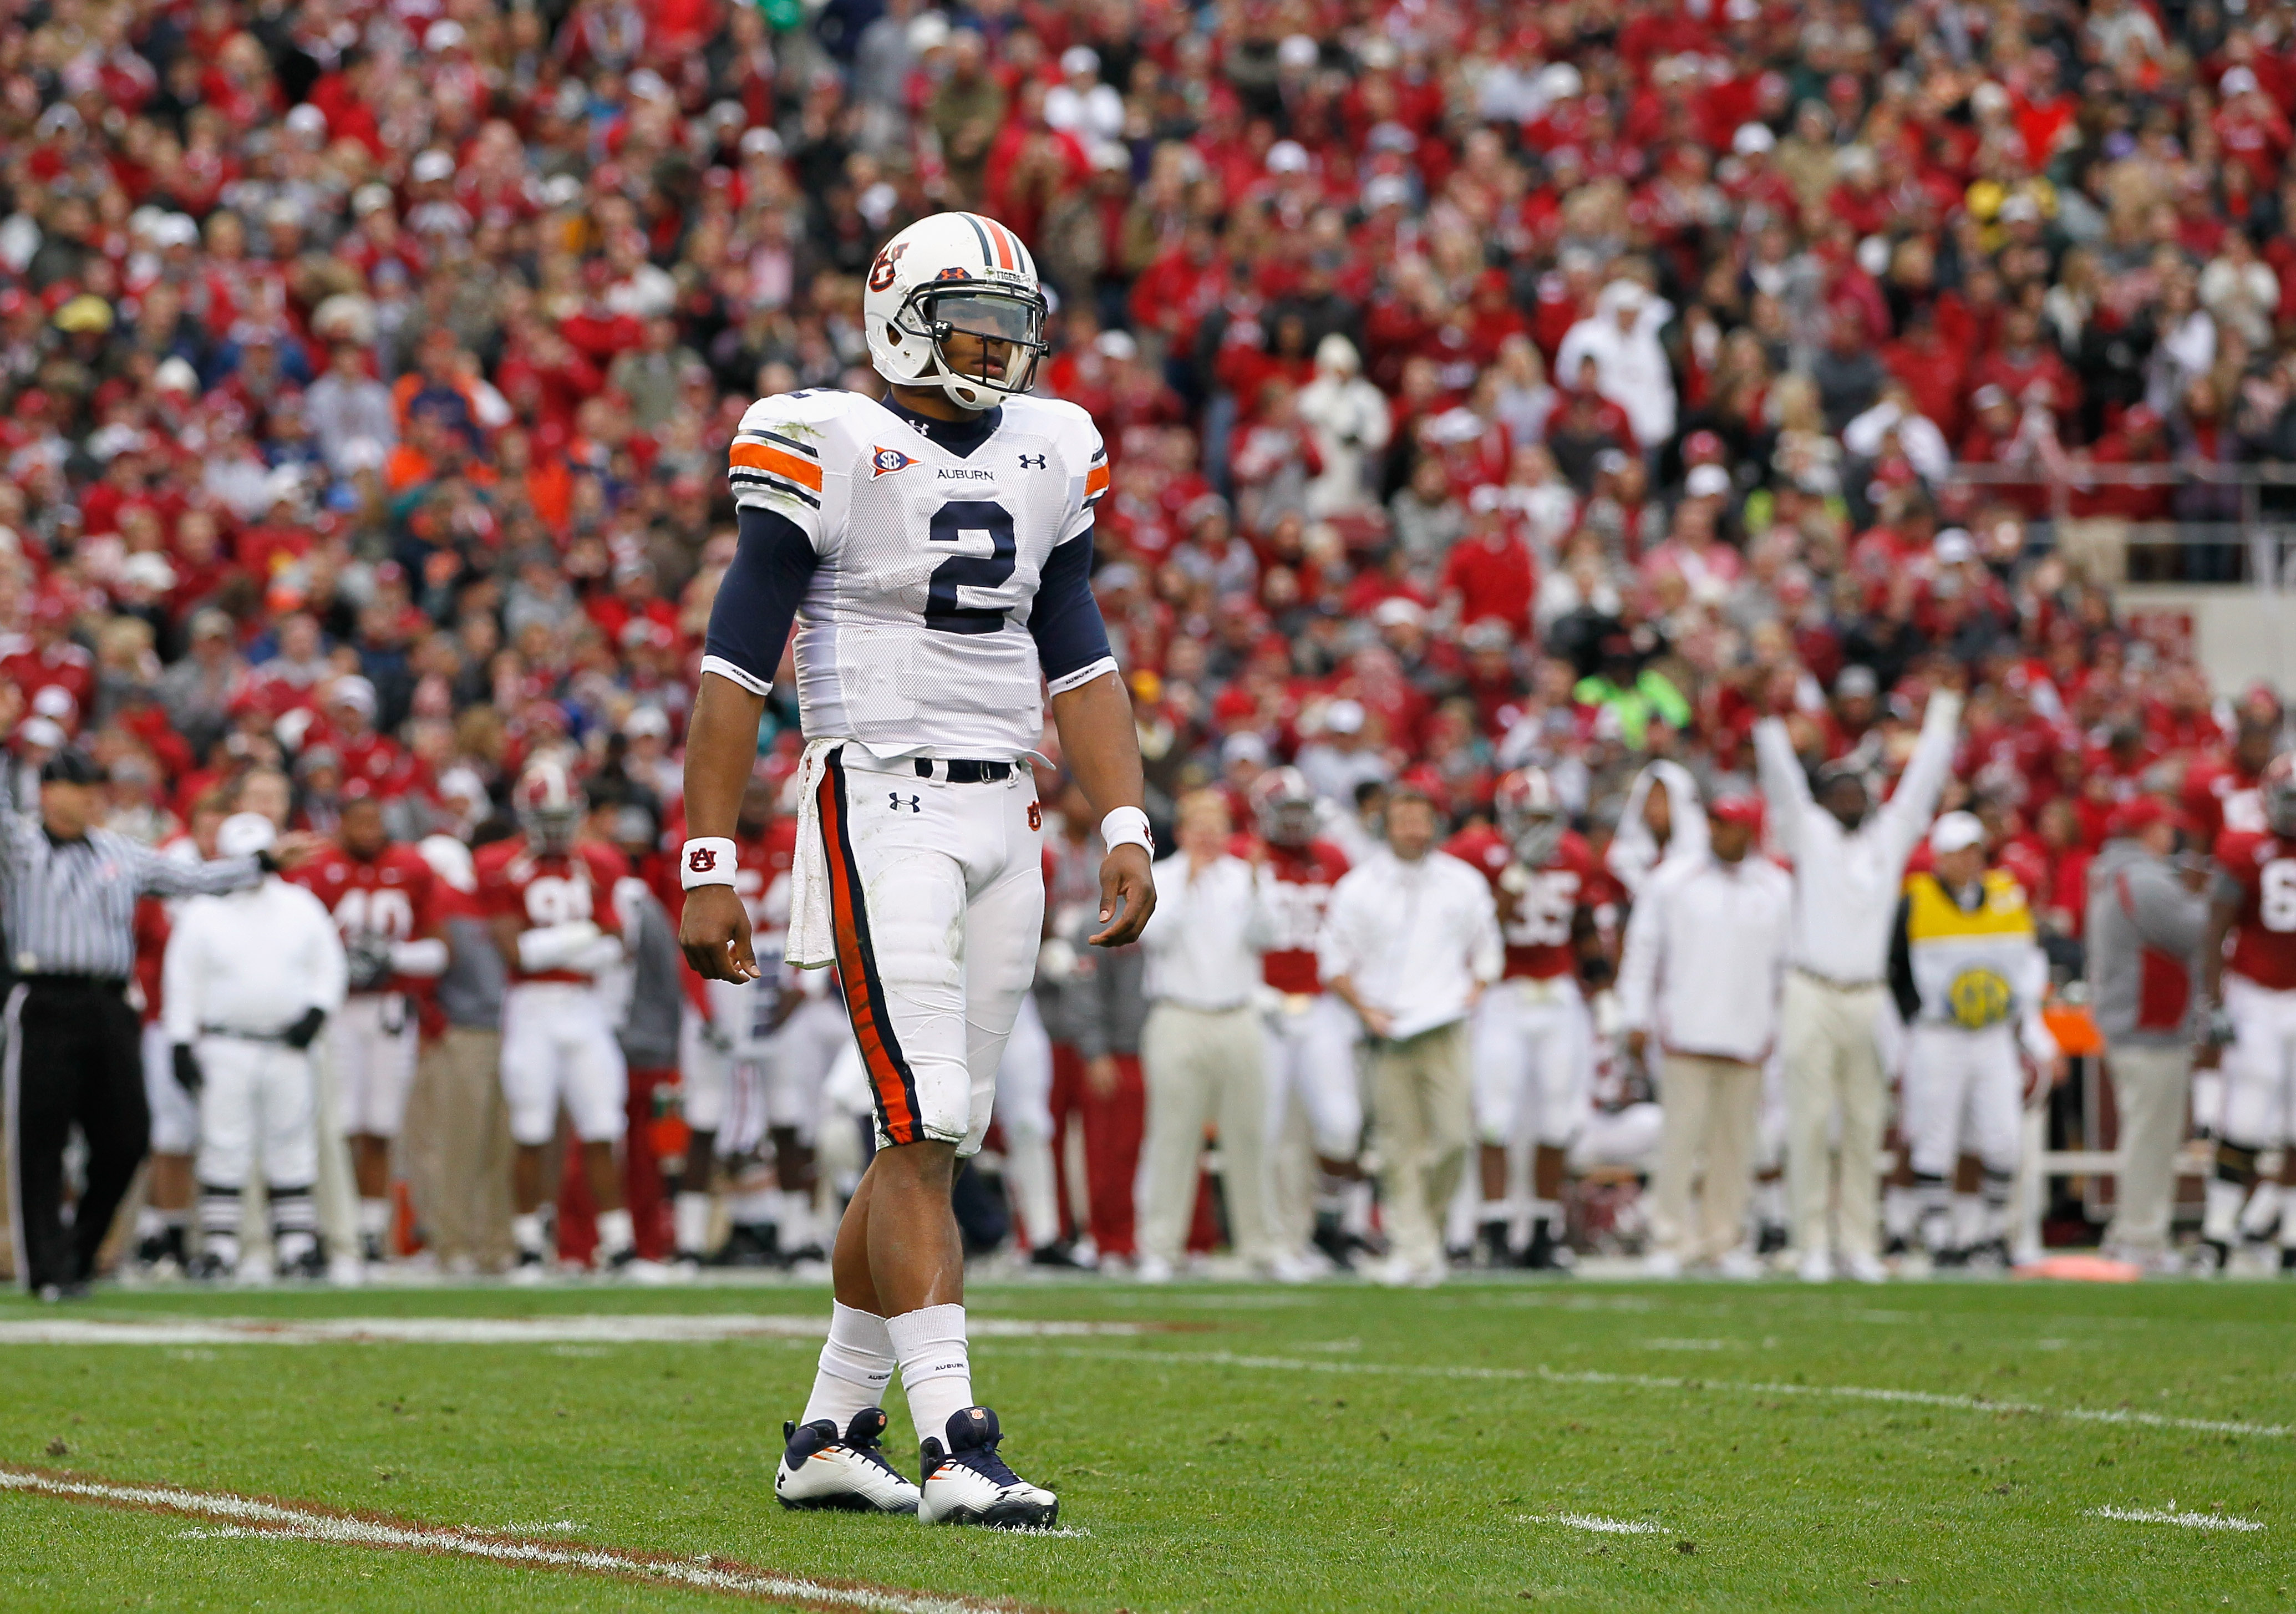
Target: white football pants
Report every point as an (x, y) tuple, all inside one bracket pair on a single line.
[(256, 1096)]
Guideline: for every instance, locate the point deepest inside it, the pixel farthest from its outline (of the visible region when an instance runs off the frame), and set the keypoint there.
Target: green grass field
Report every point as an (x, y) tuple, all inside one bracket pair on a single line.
[(1247, 1448)]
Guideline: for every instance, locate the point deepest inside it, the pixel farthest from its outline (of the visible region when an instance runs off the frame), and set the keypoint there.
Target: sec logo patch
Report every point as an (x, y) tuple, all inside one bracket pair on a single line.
[(884, 462)]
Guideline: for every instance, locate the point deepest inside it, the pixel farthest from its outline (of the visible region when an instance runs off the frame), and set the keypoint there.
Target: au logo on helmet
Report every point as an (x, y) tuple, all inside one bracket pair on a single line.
[(881, 273)]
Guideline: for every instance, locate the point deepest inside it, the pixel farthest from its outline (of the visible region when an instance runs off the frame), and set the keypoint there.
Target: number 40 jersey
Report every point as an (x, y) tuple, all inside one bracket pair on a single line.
[(935, 568)]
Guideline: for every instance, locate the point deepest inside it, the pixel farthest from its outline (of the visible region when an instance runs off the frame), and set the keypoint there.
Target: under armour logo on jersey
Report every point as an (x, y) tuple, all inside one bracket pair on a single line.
[(1034, 462), (701, 859), (884, 462), (916, 803)]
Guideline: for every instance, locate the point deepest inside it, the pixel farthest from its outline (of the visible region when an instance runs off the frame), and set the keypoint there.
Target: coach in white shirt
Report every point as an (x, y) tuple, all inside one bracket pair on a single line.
[(1410, 940), (1200, 1049), (1705, 949), (1849, 863)]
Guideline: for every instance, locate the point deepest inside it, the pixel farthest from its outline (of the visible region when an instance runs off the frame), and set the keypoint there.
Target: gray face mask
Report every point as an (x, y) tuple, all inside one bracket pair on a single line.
[(1538, 839)]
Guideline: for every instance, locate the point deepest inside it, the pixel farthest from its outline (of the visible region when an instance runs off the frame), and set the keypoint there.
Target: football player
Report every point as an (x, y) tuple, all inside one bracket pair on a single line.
[(1534, 1041), (2251, 986), (1969, 976), (381, 895), (727, 1046), (549, 898), (1311, 1034), (935, 551), (249, 980)]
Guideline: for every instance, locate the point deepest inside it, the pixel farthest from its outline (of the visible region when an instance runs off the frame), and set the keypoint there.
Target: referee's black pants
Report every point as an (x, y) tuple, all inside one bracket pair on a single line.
[(74, 1056)]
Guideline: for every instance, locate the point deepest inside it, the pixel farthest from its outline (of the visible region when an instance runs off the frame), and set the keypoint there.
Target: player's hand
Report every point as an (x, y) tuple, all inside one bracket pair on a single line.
[(189, 1076), (2208, 1056), (1639, 1046), (1128, 897), (714, 931), (1379, 1022), (1100, 1075), (12, 706), (293, 851)]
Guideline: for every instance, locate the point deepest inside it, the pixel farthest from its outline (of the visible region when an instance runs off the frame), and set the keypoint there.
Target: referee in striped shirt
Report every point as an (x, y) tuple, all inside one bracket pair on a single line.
[(73, 1050)]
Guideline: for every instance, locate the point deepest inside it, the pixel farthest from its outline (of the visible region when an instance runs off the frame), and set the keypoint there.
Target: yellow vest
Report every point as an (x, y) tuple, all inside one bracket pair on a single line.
[(1967, 962)]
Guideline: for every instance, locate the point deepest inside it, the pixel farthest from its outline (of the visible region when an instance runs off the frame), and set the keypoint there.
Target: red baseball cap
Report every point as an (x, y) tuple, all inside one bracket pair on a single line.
[(1740, 808), (2139, 814)]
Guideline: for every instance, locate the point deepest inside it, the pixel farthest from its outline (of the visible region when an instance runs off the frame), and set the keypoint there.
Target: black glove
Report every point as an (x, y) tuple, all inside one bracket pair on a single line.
[(369, 960), (188, 1074), (299, 1034)]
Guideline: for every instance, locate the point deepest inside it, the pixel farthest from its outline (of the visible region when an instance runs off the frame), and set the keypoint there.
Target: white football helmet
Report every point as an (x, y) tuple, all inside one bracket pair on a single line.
[(1284, 804), (949, 273), (2278, 788), (1531, 814), (549, 808)]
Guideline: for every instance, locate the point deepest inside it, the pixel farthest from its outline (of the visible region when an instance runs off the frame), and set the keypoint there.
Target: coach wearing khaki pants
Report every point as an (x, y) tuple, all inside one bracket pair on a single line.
[(1410, 940), (1849, 864), (1705, 950), (1200, 1049)]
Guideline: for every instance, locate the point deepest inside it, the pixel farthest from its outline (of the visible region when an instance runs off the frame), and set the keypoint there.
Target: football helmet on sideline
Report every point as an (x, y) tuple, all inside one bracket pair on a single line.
[(1530, 815), (549, 808)]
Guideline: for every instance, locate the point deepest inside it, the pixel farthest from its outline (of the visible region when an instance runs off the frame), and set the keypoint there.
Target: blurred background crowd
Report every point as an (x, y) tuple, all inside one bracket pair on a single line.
[(1552, 384)]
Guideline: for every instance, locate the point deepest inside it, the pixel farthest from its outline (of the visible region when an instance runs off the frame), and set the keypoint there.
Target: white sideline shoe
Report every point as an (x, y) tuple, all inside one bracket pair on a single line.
[(966, 1482), (1863, 1268), (1661, 1263), (1816, 1267), (821, 1469), (1738, 1265)]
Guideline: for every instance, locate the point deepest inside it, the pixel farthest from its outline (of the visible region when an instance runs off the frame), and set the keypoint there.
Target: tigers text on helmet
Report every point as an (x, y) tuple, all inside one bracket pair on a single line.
[(2278, 789), (549, 807), (951, 273), (1284, 805), (1530, 815)]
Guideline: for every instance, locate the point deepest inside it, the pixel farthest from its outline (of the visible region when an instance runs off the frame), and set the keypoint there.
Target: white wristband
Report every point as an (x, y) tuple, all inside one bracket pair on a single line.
[(1127, 826), (707, 860)]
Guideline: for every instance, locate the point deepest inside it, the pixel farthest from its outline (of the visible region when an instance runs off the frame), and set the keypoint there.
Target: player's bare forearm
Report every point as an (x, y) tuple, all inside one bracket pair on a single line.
[(1102, 752), (721, 748)]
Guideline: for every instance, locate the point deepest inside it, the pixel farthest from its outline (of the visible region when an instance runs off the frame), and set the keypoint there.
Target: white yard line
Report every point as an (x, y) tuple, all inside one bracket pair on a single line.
[(2191, 1521), (1848, 1392), (1598, 1524), (244, 1516), (635, 1329)]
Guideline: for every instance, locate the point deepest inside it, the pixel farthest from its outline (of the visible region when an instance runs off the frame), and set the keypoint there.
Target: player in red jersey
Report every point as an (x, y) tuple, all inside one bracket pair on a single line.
[(2221, 793), (1311, 1034), (721, 1068), (2252, 983), (1533, 1040), (383, 898), (549, 897)]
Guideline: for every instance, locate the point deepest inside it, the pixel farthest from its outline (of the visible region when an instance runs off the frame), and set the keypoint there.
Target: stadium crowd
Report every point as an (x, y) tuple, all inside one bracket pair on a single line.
[(1485, 387)]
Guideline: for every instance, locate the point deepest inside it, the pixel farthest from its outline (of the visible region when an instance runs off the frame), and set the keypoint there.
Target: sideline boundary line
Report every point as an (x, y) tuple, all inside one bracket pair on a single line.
[(239, 1516), (1549, 1376)]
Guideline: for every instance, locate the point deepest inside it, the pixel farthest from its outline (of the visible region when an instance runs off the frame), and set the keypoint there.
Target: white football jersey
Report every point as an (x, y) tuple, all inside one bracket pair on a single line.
[(913, 633)]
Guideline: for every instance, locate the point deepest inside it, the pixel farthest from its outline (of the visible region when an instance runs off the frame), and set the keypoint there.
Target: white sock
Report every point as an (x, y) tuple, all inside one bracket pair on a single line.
[(690, 1214), (148, 1224), (753, 1208), (1549, 1211), (1770, 1202), (1029, 1172), (294, 1224), (1901, 1212), (2220, 1216), (1968, 1220), (2263, 1204), (375, 1218), (1355, 1208), (794, 1214), (857, 1364), (1494, 1210), (615, 1234), (935, 1369), (525, 1233), (219, 1215)]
